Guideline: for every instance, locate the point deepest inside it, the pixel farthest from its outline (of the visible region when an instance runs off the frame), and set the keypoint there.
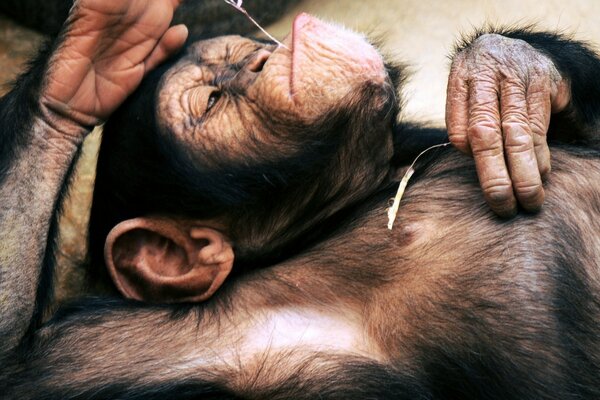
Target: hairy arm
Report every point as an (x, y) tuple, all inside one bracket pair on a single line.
[(101, 56), (507, 92), (38, 150), (293, 331)]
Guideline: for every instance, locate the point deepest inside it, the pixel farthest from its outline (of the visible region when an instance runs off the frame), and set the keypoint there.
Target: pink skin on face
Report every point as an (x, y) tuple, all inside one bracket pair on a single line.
[(314, 40), (327, 63)]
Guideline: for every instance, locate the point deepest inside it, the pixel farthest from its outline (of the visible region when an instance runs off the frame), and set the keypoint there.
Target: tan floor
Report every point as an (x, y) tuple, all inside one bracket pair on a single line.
[(17, 45), (421, 32)]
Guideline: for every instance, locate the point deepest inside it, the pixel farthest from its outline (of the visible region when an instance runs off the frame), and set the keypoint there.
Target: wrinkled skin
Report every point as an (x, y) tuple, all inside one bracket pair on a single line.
[(231, 86), (501, 94), (124, 40)]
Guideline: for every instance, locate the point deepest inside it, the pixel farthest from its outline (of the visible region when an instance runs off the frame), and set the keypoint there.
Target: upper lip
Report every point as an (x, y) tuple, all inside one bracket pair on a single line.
[(292, 41)]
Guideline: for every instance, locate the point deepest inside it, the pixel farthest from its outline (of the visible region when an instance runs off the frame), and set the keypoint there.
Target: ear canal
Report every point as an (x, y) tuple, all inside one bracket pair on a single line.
[(159, 260)]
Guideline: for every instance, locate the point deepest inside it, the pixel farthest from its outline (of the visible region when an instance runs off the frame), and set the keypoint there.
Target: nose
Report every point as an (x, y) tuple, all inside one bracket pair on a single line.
[(258, 60)]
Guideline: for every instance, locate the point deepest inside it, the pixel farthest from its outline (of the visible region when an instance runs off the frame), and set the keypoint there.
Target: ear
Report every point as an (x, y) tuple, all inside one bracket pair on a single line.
[(158, 259)]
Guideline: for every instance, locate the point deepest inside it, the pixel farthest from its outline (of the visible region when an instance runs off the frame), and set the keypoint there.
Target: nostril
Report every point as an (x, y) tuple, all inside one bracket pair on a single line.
[(257, 62)]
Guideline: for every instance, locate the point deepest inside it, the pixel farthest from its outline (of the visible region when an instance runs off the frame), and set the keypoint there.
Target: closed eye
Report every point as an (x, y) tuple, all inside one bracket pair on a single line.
[(202, 99)]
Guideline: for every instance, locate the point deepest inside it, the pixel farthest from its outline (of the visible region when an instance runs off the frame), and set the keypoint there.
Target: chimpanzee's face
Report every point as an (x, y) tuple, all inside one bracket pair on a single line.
[(240, 98)]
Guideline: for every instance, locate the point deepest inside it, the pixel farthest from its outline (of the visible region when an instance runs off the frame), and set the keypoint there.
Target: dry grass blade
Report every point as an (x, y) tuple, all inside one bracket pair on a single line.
[(393, 210)]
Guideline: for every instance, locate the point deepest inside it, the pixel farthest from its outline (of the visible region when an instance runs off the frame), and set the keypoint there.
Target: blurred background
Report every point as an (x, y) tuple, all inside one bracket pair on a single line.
[(418, 32)]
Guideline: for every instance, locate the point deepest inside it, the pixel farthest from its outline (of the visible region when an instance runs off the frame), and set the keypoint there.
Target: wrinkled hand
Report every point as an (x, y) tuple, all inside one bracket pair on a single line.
[(107, 48), (501, 94)]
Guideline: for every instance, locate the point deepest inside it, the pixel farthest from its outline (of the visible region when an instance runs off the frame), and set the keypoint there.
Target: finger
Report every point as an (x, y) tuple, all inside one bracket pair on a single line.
[(519, 146), (485, 139), (539, 110), (457, 106), (171, 42)]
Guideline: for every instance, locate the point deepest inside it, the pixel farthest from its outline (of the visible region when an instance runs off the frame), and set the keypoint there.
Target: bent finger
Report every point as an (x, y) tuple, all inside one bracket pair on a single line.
[(169, 44), (539, 109), (519, 146), (523, 166), (457, 106), (485, 139)]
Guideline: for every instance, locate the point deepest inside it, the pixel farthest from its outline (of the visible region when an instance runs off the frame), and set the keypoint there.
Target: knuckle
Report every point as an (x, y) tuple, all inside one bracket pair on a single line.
[(498, 192), (515, 89), (527, 190), (530, 195), (485, 140), (515, 110), (517, 139), (538, 125), (483, 85), (459, 140), (483, 129), (484, 103)]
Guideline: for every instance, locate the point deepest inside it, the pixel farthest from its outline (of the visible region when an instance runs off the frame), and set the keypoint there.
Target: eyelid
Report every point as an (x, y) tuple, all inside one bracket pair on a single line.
[(199, 99)]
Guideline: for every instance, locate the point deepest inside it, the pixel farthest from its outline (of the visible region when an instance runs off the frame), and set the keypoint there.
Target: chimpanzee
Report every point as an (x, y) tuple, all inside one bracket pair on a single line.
[(455, 302)]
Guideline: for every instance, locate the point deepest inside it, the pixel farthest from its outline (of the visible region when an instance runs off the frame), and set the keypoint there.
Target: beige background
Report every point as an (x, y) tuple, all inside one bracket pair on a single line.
[(420, 32)]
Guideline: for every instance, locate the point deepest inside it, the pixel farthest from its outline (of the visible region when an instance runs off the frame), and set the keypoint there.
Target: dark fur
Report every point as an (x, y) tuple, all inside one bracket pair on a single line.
[(482, 309), (516, 319), (17, 112)]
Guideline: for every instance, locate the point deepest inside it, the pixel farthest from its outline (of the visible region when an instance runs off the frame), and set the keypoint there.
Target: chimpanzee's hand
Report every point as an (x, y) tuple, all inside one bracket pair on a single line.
[(501, 93), (107, 48)]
